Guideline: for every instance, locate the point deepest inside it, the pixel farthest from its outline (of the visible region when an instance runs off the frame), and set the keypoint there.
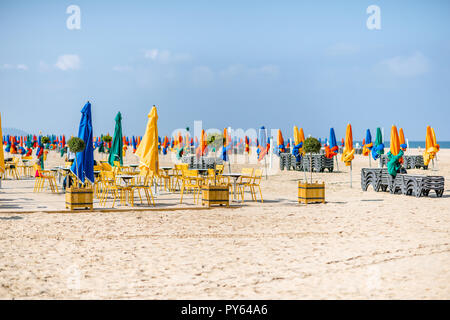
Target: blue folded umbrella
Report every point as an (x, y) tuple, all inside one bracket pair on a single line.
[(83, 167)]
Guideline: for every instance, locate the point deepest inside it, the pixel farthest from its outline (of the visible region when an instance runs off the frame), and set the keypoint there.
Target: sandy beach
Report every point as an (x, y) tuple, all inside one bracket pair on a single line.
[(359, 245)]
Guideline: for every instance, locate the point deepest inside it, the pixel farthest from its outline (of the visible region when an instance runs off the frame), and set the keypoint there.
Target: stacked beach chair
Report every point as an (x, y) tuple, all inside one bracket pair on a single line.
[(287, 161), (319, 162), (410, 162), (201, 162), (407, 184)]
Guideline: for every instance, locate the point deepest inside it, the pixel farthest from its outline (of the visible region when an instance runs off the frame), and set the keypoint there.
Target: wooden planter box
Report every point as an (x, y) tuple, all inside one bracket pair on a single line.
[(79, 198), (311, 192), (216, 195)]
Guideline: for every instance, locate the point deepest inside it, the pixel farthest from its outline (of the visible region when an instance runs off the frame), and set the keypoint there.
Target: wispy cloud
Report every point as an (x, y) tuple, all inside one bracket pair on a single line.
[(165, 56), (202, 76), (242, 70), (122, 68), (7, 66), (342, 49), (22, 67), (410, 66), (43, 66), (68, 62)]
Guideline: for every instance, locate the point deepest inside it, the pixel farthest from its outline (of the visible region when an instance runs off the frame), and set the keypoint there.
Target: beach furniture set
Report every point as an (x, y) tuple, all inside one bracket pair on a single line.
[(17, 168), (120, 183), (215, 186), (404, 183)]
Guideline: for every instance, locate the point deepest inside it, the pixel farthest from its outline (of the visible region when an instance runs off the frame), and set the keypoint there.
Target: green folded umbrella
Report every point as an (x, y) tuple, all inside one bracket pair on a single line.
[(116, 153)]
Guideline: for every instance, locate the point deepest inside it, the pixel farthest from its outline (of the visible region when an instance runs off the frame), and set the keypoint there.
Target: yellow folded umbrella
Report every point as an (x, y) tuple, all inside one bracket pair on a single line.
[(301, 135), (148, 148), (296, 136), (402, 137), (348, 153), (280, 140), (2, 156), (395, 141), (225, 142), (430, 149), (203, 143), (434, 140)]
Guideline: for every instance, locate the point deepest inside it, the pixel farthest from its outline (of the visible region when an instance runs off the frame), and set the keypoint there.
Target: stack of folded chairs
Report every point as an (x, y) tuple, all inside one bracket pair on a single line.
[(287, 161), (319, 163), (412, 162), (404, 183)]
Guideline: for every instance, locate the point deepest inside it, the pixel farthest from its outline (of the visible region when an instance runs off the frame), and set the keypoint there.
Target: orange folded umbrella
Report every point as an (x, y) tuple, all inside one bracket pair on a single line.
[(395, 141), (301, 135), (402, 138), (429, 141), (296, 136), (348, 153), (225, 136), (280, 139), (434, 140), (430, 148)]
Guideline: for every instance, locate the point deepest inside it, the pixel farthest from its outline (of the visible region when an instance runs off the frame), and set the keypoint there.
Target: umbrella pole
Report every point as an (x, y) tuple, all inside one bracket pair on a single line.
[(434, 167), (350, 174), (265, 165), (337, 163), (304, 172), (370, 162)]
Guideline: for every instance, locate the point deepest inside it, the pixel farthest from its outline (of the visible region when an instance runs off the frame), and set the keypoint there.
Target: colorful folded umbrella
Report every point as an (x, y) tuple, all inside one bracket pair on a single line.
[(116, 152), (430, 148), (395, 154), (367, 144), (148, 148), (378, 146), (348, 153), (280, 142), (83, 167), (401, 136)]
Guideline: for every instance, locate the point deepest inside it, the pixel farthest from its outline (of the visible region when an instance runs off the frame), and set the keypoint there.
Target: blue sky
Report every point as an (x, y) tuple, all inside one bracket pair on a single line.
[(312, 64)]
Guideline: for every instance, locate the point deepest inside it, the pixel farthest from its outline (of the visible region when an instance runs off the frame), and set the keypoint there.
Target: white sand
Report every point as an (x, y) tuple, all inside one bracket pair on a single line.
[(357, 245)]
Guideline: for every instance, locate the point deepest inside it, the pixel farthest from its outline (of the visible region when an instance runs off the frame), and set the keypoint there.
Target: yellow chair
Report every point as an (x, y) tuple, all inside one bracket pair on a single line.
[(165, 176), (26, 168), (68, 164), (244, 181), (219, 168), (110, 185), (42, 176), (178, 174), (106, 166), (256, 183), (11, 168), (212, 178), (219, 172), (191, 180), (146, 186)]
